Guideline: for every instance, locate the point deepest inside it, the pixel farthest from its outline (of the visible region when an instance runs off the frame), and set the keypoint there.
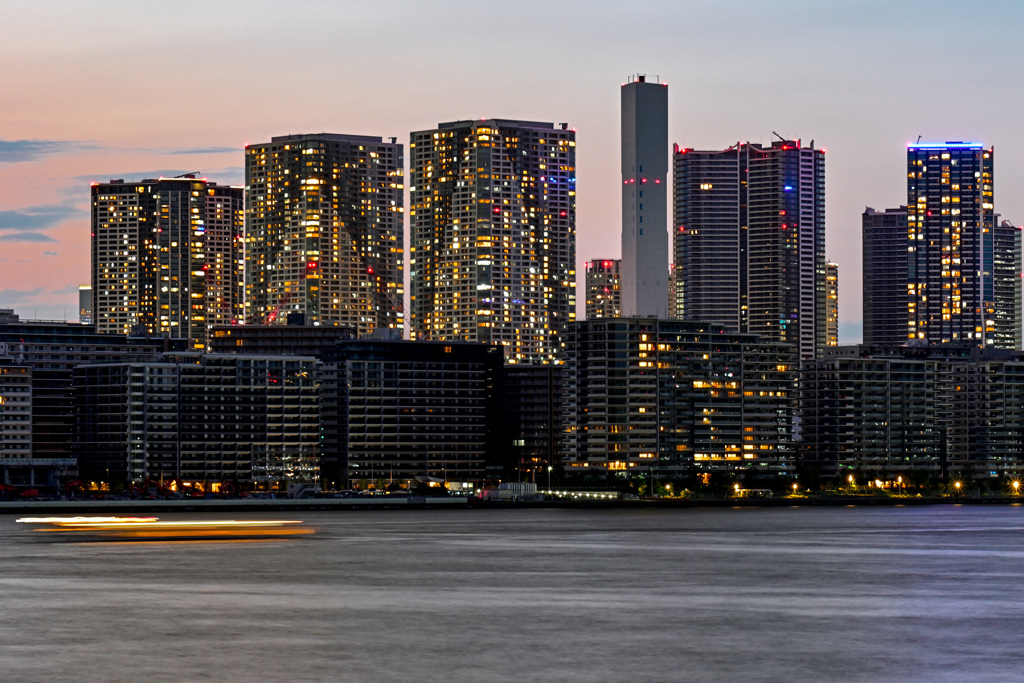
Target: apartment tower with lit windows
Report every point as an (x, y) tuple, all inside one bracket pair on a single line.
[(644, 152), (324, 235), (604, 293), (832, 304), (749, 241), (166, 257), (963, 281), (493, 235)]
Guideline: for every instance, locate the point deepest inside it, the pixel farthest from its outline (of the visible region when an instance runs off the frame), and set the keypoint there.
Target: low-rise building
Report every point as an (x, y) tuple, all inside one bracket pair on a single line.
[(662, 396), (399, 413), (199, 418), (51, 349), (940, 410), (16, 463), (531, 415), (291, 339)]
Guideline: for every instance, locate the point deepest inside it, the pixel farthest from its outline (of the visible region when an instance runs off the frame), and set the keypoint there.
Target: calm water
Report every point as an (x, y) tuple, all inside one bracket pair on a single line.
[(838, 594)]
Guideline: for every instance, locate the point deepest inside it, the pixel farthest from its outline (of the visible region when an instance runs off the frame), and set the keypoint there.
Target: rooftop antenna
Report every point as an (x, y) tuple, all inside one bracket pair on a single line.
[(918, 139)]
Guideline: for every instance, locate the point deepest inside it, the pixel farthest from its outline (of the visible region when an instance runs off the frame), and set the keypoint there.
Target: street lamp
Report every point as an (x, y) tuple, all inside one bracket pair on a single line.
[(549, 478), (957, 485), (1016, 487), (899, 480)]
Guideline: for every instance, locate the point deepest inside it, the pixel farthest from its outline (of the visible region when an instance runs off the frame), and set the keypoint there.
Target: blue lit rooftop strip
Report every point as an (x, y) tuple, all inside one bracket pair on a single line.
[(955, 144)]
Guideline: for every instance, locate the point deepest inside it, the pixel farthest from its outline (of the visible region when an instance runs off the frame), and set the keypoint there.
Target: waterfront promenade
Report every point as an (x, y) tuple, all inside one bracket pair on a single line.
[(457, 502)]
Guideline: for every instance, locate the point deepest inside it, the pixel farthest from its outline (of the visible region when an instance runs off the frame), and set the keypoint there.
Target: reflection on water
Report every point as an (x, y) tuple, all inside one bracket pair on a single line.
[(929, 594)]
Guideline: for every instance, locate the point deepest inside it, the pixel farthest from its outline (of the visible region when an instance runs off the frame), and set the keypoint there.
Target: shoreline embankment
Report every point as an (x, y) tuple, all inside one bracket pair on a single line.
[(67, 507)]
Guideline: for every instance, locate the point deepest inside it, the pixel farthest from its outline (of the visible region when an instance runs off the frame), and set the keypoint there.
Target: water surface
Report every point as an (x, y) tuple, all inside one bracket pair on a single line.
[(754, 594)]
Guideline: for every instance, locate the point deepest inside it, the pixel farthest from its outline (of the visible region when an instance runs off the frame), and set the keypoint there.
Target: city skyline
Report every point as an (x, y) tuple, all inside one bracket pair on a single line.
[(859, 98)]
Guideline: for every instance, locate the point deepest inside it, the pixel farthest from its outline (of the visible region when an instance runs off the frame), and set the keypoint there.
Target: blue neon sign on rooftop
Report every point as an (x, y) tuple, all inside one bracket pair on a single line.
[(952, 144)]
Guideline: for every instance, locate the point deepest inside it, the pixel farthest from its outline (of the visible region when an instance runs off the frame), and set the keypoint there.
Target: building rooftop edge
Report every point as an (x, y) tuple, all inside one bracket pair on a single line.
[(338, 137), (545, 125), (776, 144), (187, 178)]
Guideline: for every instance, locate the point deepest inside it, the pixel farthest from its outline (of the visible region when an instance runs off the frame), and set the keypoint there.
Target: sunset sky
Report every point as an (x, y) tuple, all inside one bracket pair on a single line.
[(99, 90)]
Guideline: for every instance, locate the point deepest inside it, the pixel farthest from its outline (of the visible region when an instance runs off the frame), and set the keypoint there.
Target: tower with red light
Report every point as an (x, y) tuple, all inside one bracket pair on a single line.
[(604, 289), (644, 140)]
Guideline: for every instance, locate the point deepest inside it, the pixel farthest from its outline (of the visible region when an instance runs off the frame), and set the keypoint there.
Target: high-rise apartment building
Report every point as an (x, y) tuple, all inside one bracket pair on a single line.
[(1008, 285), (885, 271), (324, 236), (85, 304), (166, 257), (604, 294), (962, 286), (750, 240), (493, 235), (644, 141), (673, 299), (831, 304)]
